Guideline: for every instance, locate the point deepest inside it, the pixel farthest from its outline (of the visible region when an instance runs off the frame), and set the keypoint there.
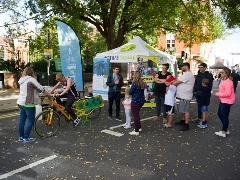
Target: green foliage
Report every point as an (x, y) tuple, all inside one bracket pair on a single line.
[(41, 65), (203, 26), (91, 43), (117, 20), (230, 11), (12, 65)]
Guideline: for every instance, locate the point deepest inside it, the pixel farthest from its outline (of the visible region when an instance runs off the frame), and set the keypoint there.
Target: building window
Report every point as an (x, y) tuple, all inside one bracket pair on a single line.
[(170, 37), (2, 53)]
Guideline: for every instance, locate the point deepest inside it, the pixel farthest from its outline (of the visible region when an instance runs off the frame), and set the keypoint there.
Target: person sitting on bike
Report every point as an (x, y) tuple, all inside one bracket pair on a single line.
[(69, 92)]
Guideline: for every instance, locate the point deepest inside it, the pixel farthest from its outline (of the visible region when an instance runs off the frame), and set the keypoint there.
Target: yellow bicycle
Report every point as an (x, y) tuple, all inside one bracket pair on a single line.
[(47, 123)]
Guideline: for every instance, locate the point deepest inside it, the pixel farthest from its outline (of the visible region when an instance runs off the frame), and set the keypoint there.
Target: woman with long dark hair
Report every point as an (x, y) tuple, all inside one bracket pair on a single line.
[(227, 98), (138, 99)]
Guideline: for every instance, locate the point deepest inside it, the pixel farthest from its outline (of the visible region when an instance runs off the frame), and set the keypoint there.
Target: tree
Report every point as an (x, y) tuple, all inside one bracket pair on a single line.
[(6, 5), (192, 32), (116, 19), (230, 11)]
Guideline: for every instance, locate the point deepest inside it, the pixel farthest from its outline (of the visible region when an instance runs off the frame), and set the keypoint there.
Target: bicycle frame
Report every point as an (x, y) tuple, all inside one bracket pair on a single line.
[(82, 108), (61, 109), (47, 123)]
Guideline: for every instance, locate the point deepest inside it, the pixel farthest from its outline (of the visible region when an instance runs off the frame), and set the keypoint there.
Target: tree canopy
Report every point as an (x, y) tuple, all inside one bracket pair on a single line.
[(117, 19)]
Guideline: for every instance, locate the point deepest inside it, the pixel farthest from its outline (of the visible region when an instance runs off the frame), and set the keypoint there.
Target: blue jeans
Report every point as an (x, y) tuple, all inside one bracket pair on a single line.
[(26, 113), (204, 108), (223, 114), (199, 105), (128, 116)]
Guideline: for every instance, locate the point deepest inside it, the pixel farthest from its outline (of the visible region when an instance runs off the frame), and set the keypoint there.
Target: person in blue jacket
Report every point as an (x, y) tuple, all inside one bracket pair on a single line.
[(114, 82), (138, 99), (204, 103)]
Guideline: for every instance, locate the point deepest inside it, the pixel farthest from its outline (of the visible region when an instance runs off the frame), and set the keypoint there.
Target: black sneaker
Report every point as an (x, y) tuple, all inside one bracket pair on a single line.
[(185, 127), (182, 122), (118, 119)]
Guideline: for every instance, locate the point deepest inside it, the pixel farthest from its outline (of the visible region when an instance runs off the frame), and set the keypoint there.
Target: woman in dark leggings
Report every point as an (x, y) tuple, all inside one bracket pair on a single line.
[(138, 99), (159, 92)]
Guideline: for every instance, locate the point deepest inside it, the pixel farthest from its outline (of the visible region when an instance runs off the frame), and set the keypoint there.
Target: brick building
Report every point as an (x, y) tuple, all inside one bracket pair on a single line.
[(17, 49), (194, 55)]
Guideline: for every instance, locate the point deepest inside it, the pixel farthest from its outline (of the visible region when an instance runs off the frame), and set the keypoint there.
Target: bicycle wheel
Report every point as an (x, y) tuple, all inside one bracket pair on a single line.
[(43, 129), (93, 114)]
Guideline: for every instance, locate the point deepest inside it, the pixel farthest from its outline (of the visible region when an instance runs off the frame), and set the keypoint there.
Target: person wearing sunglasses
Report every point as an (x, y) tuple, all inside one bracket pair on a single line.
[(226, 96)]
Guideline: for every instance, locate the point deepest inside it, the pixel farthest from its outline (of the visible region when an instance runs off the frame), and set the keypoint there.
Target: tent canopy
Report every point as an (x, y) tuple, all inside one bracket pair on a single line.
[(129, 52), (217, 65)]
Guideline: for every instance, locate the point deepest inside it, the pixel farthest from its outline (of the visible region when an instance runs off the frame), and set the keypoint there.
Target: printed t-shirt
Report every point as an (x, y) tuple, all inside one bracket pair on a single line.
[(185, 89)]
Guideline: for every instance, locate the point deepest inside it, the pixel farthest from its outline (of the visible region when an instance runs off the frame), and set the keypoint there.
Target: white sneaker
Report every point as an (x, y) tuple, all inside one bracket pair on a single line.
[(140, 130), (134, 133), (76, 122), (127, 127), (123, 125), (220, 134), (228, 132)]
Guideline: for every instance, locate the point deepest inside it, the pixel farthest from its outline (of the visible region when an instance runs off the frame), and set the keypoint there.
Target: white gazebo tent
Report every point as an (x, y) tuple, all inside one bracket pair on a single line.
[(133, 53), (130, 51)]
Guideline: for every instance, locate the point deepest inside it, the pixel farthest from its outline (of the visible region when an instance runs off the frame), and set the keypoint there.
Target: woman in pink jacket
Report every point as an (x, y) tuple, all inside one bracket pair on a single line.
[(227, 97)]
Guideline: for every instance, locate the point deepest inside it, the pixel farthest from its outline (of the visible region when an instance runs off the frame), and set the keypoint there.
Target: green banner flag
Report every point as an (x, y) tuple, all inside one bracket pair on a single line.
[(58, 64)]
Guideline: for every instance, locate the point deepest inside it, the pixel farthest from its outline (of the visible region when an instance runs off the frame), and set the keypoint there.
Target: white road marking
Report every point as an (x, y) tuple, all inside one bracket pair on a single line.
[(27, 167), (9, 115), (113, 127), (112, 132)]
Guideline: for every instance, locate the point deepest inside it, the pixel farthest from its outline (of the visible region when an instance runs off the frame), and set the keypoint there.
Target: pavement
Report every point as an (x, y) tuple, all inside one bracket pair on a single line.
[(105, 150), (8, 99)]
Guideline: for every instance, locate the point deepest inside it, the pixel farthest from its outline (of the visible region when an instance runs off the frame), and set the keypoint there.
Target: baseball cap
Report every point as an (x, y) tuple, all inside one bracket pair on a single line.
[(170, 79), (185, 64), (202, 65)]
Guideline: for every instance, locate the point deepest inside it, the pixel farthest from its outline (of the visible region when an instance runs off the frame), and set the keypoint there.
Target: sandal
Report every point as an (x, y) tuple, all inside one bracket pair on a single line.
[(167, 126), (155, 119), (164, 121)]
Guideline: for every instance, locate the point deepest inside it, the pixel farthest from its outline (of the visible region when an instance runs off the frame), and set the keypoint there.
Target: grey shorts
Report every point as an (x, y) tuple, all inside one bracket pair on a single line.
[(184, 106)]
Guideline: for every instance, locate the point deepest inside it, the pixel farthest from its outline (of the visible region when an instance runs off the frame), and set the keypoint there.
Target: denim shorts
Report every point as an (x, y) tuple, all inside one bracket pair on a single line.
[(204, 109)]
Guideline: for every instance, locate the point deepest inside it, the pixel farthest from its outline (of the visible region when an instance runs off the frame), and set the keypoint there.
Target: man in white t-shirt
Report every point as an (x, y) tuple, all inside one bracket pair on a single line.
[(185, 93)]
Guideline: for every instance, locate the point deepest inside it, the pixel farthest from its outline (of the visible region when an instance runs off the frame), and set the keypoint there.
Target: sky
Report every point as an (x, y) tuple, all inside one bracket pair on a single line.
[(222, 48)]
